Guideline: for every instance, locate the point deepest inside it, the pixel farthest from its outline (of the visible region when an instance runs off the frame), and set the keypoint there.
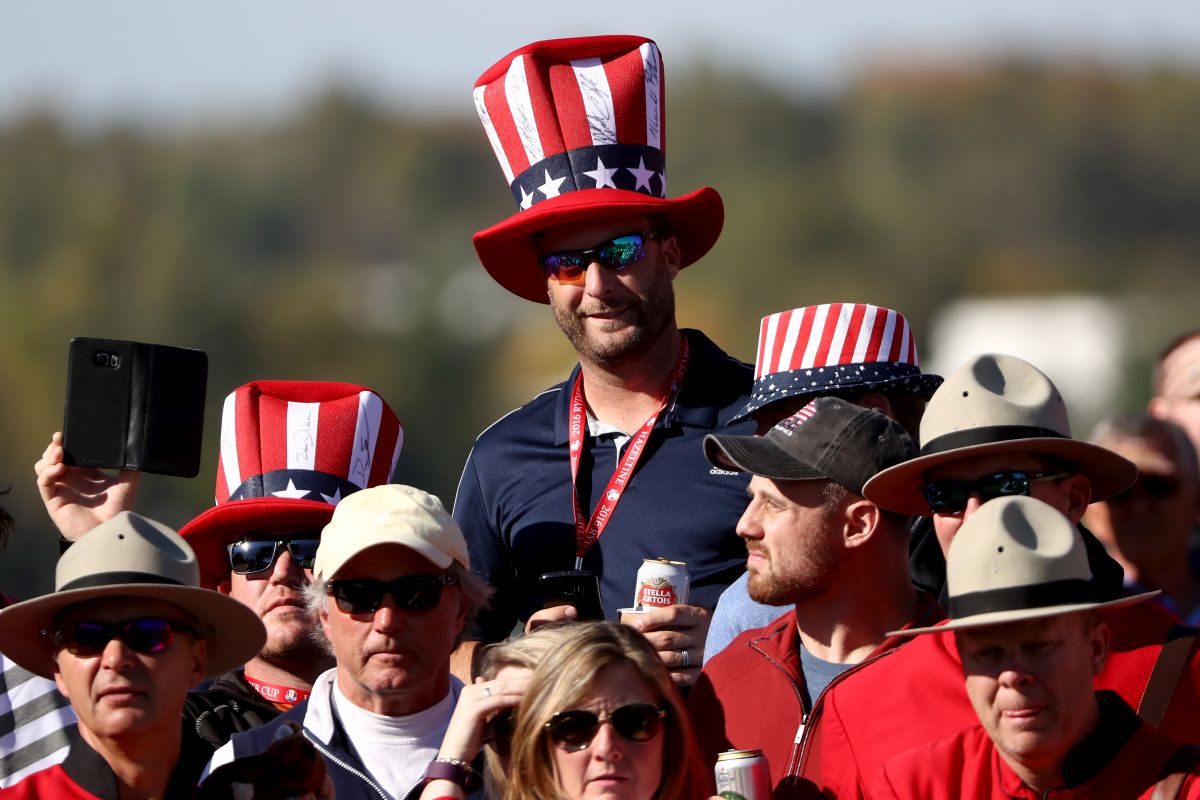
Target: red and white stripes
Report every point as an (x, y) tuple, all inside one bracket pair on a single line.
[(552, 98), (338, 429), (833, 334)]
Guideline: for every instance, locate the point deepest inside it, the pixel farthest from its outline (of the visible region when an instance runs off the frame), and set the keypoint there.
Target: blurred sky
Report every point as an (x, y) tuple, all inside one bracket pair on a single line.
[(174, 62)]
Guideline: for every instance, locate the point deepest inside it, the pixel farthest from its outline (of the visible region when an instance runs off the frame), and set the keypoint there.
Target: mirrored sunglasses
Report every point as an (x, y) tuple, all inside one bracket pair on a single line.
[(409, 593), (951, 496), (146, 635), (575, 729), (570, 266), (248, 556)]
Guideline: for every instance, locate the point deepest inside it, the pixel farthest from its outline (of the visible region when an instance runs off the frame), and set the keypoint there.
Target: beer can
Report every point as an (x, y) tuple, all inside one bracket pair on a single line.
[(661, 583), (743, 775)]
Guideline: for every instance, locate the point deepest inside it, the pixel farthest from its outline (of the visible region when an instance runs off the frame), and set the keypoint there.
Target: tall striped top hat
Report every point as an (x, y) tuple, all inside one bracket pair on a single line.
[(290, 450), (835, 347), (579, 128)]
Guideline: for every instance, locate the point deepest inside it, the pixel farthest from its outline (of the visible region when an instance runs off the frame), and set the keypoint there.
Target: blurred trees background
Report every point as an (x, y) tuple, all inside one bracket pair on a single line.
[(335, 243)]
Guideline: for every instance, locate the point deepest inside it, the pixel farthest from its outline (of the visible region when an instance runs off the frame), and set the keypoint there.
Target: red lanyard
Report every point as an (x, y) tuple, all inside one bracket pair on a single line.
[(587, 532), (282, 697)]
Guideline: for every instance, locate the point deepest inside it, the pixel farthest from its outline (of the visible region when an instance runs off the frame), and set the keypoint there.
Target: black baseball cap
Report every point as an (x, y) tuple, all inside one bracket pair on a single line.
[(828, 439)]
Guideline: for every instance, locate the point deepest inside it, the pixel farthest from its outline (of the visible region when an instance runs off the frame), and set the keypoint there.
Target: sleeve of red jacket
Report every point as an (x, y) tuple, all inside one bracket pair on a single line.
[(708, 719)]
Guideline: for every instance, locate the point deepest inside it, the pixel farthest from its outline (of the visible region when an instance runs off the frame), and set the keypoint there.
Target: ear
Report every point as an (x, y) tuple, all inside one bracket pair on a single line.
[(199, 663), (877, 401), (672, 257), (860, 521), (1079, 496), (225, 586), (323, 616), (58, 680), (1101, 639)]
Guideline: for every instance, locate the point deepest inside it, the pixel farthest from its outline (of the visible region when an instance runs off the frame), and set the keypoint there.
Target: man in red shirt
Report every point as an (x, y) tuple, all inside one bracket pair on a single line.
[(813, 541), (997, 427), (1023, 613)]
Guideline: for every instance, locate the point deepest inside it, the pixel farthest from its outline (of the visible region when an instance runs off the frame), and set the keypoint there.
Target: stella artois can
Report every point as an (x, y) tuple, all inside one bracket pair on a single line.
[(661, 583), (743, 775)]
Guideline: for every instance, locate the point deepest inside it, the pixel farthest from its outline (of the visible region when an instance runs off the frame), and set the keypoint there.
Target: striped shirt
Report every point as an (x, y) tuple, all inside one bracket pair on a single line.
[(37, 724)]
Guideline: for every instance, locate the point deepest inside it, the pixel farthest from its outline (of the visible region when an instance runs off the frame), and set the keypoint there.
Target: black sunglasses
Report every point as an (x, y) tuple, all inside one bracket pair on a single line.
[(575, 729), (569, 266), (248, 556), (146, 635), (951, 496), (409, 593)]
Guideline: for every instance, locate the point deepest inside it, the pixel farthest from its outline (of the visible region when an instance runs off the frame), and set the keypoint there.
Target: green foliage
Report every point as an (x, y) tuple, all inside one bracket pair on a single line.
[(335, 244)]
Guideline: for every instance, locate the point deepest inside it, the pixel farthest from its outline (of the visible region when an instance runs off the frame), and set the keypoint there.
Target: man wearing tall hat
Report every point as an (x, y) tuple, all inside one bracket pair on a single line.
[(1027, 622), (997, 427), (289, 452), (858, 352), (605, 469), (127, 631)]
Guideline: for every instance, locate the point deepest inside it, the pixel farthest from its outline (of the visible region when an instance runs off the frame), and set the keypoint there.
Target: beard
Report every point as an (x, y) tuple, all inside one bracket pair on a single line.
[(811, 575), (623, 341)]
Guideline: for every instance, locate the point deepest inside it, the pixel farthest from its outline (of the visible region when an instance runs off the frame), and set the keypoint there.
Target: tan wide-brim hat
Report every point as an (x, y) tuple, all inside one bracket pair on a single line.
[(996, 403), (1017, 559), (131, 556)]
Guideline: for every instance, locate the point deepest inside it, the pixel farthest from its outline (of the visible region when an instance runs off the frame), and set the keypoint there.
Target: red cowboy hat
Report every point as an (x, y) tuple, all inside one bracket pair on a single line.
[(579, 128), (290, 450)]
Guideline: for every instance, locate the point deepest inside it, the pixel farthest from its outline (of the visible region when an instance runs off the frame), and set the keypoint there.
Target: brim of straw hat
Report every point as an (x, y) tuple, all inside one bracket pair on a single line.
[(508, 250), (212, 531), (901, 488), (1022, 615), (233, 632)]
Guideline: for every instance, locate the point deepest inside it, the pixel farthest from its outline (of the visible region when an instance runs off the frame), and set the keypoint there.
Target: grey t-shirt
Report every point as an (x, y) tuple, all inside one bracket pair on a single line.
[(817, 674)]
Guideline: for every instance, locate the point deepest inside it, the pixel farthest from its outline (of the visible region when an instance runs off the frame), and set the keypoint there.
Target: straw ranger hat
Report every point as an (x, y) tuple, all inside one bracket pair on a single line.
[(1017, 559), (131, 556), (996, 403)]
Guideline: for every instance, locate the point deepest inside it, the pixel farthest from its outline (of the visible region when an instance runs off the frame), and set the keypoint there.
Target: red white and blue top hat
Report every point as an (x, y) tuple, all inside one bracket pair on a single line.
[(290, 450), (579, 128), (832, 348)]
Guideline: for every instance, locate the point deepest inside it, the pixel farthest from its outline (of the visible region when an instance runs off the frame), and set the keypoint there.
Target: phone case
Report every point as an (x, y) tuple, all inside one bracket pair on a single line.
[(132, 405)]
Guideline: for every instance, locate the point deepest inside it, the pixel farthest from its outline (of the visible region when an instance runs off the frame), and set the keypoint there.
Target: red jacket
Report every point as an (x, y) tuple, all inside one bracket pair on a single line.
[(917, 696), (750, 695), (1122, 760)]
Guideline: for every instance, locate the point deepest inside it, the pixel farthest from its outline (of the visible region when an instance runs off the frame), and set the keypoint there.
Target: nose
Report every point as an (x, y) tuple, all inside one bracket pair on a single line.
[(1015, 676), (117, 656), (606, 745), (973, 504), (747, 525), (387, 616), (598, 280), (286, 571)]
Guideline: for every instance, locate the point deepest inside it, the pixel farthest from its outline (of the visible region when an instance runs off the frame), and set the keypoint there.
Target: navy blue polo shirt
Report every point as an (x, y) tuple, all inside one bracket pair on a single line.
[(514, 498)]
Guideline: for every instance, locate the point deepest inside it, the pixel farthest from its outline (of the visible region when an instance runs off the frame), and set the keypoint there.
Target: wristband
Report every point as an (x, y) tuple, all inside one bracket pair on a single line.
[(454, 770)]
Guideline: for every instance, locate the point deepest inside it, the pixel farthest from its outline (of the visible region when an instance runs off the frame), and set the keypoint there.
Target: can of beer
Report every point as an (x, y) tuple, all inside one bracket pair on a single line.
[(743, 775), (661, 583)]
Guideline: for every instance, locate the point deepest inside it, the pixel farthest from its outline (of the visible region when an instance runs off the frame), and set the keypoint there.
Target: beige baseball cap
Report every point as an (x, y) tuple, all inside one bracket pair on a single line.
[(390, 514)]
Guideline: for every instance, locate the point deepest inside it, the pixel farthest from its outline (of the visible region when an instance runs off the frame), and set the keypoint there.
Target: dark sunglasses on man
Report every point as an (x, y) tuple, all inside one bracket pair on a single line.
[(145, 635), (249, 555), (570, 266), (575, 729), (408, 592), (951, 496)]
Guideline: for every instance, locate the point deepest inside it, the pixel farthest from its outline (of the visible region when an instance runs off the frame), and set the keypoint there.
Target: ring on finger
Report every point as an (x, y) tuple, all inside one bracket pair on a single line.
[(487, 691), (686, 660)]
